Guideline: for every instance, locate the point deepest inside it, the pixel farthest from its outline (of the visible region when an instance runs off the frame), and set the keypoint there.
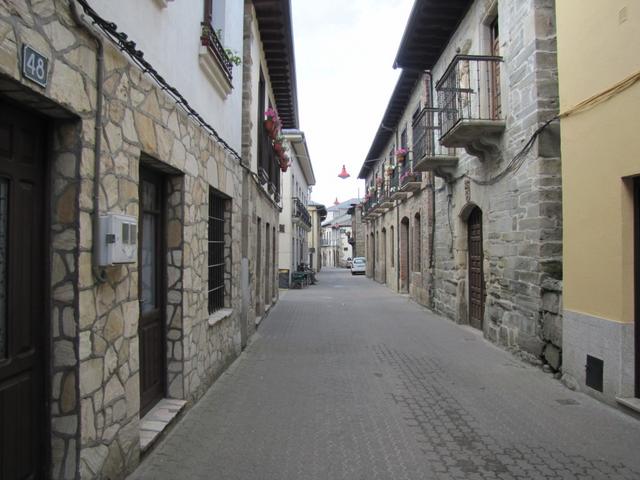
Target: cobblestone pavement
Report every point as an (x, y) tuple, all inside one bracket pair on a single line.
[(347, 380)]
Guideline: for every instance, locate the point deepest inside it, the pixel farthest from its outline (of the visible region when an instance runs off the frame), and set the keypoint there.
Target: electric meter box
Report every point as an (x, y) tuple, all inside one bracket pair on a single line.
[(118, 239)]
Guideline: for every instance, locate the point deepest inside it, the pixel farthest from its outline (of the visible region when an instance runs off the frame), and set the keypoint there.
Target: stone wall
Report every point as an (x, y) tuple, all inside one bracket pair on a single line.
[(522, 211), (95, 366)]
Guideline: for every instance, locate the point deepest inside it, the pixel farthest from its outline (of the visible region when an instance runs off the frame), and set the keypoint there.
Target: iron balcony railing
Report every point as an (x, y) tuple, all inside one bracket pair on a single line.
[(209, 38), (426, 135), (300, 212), (268, 167), (469, 90), (370, 203)]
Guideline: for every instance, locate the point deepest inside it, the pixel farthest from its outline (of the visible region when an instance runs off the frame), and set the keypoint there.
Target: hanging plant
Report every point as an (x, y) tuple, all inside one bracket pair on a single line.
[(272, 122)]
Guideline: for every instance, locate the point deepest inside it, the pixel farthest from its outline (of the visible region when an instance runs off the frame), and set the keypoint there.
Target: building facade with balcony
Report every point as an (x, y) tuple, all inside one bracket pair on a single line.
[(269, 83), (479, 237), (318, 214), (295, 219), (336, 232), (601, 197), (129, 148)]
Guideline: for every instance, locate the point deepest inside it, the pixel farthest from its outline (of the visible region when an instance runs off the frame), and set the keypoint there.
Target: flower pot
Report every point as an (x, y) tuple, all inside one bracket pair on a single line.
[(400, 158), (278, 148), (270, 125)]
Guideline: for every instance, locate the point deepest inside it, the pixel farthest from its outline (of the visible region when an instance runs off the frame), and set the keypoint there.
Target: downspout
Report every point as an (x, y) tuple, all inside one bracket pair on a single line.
[(98, 272)]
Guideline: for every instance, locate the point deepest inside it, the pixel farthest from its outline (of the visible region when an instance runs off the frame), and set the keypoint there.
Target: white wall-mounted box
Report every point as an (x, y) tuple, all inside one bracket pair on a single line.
[(118, 239)]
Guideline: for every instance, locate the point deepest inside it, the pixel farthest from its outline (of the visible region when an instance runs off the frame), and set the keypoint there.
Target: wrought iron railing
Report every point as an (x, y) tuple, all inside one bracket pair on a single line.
[(209, 38), (426, 135), (469, 90), (409, 176), (268, 167), (370, 203), (301, 212)]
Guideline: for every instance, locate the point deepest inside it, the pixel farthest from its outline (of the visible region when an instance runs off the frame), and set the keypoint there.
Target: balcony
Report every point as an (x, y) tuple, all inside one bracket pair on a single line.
[(469, 100), (428, 153), (394, 185), (410, 180), (368, 206), (300, 213)]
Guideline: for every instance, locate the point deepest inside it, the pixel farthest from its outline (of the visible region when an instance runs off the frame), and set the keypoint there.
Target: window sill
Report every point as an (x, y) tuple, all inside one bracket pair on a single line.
[(214, 72), (220, 315)]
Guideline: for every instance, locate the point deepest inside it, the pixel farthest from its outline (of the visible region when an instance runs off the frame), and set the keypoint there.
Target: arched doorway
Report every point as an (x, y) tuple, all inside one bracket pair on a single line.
[(475, 270), (404, 255)]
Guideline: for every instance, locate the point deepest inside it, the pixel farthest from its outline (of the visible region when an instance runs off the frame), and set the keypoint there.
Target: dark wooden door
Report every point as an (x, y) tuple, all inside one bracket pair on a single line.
[(476, 275), (151, 326), (22, 267)]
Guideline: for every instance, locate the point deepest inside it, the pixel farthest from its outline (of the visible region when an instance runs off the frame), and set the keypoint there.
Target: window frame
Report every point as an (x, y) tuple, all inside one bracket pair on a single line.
[(219, 259)]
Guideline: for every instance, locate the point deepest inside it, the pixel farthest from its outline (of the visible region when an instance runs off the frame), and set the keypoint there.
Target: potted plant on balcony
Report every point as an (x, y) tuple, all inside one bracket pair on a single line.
[(390, 169), (272, 121), (408, 176), (401, 155)]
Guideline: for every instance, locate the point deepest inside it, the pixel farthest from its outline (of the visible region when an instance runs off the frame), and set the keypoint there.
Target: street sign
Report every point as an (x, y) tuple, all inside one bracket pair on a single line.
[(35, 66)]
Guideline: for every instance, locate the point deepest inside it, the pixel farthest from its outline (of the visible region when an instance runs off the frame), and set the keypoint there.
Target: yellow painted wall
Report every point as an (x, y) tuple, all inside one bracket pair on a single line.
[(598, 47)]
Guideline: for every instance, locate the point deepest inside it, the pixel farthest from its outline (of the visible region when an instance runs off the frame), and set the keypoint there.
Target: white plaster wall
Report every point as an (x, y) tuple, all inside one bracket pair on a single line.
[(170, 40), (292, 178)]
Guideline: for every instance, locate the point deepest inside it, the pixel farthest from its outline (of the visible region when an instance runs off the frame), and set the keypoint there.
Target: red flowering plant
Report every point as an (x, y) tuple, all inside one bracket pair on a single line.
[(272, 122)]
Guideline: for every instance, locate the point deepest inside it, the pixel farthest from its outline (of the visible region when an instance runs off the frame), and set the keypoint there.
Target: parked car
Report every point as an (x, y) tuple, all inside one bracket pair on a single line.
[(349, 262), (359, 265)]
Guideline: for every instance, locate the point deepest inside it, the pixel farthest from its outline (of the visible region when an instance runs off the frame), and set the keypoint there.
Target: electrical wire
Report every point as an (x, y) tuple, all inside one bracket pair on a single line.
[(127, 46)]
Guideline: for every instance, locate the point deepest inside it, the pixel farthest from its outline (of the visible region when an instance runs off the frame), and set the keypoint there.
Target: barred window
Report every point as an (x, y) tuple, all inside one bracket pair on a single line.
[(219, 261)]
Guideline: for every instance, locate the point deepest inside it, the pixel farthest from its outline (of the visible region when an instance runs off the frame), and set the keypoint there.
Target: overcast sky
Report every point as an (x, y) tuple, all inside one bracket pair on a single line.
[(344, 55)]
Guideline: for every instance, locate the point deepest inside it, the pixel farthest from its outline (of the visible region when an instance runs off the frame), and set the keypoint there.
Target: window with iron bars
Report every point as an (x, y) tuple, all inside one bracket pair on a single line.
[(219, 259)]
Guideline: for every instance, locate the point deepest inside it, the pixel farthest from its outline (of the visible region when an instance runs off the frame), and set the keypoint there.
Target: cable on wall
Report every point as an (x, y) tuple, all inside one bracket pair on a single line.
[(127, 46)]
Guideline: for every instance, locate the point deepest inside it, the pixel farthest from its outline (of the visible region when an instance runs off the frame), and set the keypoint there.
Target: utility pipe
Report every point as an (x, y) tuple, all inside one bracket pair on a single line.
[(98, 271)]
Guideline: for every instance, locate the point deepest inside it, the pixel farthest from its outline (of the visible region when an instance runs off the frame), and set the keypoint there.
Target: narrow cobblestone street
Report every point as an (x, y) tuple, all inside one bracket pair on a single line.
[(347, 380)]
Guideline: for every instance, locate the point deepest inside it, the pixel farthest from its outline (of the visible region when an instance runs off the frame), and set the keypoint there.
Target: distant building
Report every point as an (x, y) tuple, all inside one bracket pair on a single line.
[(295, 220), (318, 214), (336, 232)]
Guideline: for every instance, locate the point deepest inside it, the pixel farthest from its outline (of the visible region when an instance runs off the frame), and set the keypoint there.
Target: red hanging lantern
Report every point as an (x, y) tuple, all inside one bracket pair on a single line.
[(343, 173)]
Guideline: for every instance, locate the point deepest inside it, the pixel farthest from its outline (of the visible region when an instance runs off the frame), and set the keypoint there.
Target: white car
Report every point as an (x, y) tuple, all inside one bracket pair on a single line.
[(359, 265)]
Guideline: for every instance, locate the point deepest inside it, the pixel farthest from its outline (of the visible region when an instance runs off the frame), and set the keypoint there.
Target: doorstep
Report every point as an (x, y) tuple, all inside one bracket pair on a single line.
[(629, 402), (157, 420)]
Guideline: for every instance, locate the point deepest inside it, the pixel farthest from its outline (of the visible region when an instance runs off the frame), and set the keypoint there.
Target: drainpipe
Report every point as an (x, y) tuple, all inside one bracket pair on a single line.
[(98, 272)]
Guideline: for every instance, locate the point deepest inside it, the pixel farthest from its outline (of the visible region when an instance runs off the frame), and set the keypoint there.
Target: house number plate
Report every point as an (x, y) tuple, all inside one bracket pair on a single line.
[(35, 66)]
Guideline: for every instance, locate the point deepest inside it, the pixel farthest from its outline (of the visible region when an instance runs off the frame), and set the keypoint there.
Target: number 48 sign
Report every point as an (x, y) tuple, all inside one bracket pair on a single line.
[(35, 66)]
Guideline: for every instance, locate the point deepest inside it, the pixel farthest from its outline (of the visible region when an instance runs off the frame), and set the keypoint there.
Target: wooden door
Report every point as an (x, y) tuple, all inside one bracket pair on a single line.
[(476, 275), (496, 94), (151, 284), (22, 267)]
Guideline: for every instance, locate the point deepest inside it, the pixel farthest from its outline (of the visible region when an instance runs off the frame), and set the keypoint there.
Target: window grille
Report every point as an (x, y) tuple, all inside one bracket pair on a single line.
[(218, 262)]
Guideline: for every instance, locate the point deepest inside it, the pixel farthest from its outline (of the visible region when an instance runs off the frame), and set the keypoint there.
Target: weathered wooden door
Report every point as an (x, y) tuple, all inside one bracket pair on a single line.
[(151, 325), (496, 94), (22, 268), (476, 275)]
